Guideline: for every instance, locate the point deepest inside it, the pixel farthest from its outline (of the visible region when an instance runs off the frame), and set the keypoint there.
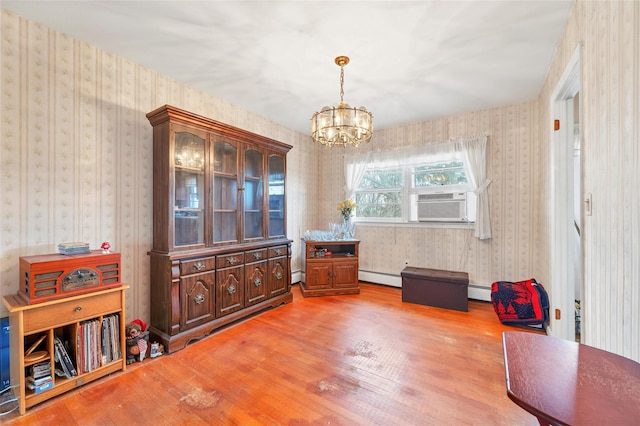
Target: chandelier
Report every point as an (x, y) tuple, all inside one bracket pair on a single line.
[(342, 125)]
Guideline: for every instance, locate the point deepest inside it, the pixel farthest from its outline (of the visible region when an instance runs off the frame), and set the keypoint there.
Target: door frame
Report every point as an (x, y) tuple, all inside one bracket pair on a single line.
[(563, 287)]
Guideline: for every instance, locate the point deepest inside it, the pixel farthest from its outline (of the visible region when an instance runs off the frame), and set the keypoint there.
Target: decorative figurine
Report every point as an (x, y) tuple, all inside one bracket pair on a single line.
[(105, 247), (157, 349), (137, 341)]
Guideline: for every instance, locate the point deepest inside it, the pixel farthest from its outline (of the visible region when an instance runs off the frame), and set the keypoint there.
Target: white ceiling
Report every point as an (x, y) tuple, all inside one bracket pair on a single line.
[(410, 60)]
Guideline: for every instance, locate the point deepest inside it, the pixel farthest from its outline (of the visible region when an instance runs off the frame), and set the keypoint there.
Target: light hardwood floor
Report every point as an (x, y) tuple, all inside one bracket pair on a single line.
[(366, 359)]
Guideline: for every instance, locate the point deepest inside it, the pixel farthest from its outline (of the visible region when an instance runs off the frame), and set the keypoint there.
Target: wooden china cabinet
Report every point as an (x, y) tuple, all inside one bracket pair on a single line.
[(220, 251)]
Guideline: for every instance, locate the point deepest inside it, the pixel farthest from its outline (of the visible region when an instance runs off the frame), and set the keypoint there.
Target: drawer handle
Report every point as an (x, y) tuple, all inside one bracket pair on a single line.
[(278, 252), (257, 282), (257, 256), (278, 275), (232, 260), (232, 289), (78, 308), (198, 266), (199, 299)]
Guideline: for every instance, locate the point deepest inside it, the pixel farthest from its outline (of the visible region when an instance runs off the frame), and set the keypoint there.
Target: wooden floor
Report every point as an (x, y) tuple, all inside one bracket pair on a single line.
[(366, 359)]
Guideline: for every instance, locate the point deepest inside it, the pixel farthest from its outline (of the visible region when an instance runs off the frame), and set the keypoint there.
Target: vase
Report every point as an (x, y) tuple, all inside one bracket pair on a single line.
[(348, 228)]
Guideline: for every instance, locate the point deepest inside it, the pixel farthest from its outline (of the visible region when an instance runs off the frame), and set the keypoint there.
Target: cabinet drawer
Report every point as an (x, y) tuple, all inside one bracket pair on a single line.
[(71, 311), (228, 260), (278, 251), (255, 255), (194, 266)]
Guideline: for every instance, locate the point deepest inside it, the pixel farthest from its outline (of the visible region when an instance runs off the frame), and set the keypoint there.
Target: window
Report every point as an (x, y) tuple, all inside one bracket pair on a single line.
[(381, 192), (435, 182)]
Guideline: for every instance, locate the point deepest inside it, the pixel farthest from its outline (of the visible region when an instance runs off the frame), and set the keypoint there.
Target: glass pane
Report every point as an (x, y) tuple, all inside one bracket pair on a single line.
[(225, 226), (253, 194), (276, 196), (225, 192), (225, 158), (374, 179), (379, 204), (189, 189), (451, 173)]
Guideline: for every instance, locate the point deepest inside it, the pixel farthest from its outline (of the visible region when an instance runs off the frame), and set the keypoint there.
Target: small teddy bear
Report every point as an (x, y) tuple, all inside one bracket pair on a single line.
[(137, 341)]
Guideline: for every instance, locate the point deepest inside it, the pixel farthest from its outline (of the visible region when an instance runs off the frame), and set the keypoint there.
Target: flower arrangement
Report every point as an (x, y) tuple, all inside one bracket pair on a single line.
[(346, 208)]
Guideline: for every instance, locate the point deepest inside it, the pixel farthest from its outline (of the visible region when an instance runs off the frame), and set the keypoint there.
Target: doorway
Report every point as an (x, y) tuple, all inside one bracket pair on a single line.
[(566, 205)]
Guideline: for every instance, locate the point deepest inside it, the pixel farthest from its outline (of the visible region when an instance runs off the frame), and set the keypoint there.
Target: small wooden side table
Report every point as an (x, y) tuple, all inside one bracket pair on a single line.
[(568, 383)]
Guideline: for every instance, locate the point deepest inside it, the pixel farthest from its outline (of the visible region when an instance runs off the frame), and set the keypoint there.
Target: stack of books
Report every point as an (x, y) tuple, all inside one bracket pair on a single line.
[(40, 378), (74, 248)]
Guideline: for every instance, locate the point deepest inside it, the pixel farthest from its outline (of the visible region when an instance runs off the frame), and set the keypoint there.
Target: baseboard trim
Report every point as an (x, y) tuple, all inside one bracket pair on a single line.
[(476, 291)]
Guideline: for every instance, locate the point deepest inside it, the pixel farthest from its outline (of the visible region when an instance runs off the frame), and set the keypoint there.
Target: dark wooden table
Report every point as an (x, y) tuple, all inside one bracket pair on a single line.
[(567, 383)]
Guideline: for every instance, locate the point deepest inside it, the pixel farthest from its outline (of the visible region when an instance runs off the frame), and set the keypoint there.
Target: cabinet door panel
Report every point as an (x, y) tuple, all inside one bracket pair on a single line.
[(225, 192), (346, 274), (278, 276), (253, 194), (276, 196), (256, 282), (229, 290), (197, 299), (189, 184), (319, 275)]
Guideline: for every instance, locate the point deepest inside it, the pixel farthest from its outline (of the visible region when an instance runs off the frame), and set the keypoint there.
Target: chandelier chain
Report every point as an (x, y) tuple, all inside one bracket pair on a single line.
[(341, 83)]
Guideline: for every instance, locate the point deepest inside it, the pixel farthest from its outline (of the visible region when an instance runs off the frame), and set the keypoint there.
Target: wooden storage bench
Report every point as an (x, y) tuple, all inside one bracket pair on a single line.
[(434, 287)]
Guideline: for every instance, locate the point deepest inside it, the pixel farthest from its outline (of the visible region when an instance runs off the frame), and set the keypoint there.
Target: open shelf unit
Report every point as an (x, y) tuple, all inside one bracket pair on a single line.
[(36, 327)]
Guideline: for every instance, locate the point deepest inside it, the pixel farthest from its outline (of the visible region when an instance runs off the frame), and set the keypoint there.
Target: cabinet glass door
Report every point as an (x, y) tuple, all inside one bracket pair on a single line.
[(276, 196), (189, 189), (225, 192), (253, 194)]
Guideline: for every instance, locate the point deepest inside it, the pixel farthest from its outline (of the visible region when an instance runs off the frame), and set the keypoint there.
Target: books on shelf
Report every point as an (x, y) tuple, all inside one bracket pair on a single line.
[(98, 343), (74, 248), (40, 378), (40, 388), (40, 381), (111, 350), (63, 359)]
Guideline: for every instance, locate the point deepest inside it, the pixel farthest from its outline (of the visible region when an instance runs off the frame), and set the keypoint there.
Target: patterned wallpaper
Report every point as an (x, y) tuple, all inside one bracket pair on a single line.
[(610, 35), (76, 164), (76, 152), (510, 254)]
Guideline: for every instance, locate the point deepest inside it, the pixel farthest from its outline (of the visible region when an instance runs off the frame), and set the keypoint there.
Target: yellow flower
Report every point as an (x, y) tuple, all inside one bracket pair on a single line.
[(346, 207)]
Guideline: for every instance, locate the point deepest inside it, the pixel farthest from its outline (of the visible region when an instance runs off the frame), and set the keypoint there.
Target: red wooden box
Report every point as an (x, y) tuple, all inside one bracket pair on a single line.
[(54, 276)]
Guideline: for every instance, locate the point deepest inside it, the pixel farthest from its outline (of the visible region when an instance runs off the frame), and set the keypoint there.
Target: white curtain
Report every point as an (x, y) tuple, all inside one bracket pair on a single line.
[(414, 156), (474, 151), (354, 168)]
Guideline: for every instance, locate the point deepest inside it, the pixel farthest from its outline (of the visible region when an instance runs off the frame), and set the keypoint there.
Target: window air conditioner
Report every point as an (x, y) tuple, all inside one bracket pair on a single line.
[(442, 207)]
